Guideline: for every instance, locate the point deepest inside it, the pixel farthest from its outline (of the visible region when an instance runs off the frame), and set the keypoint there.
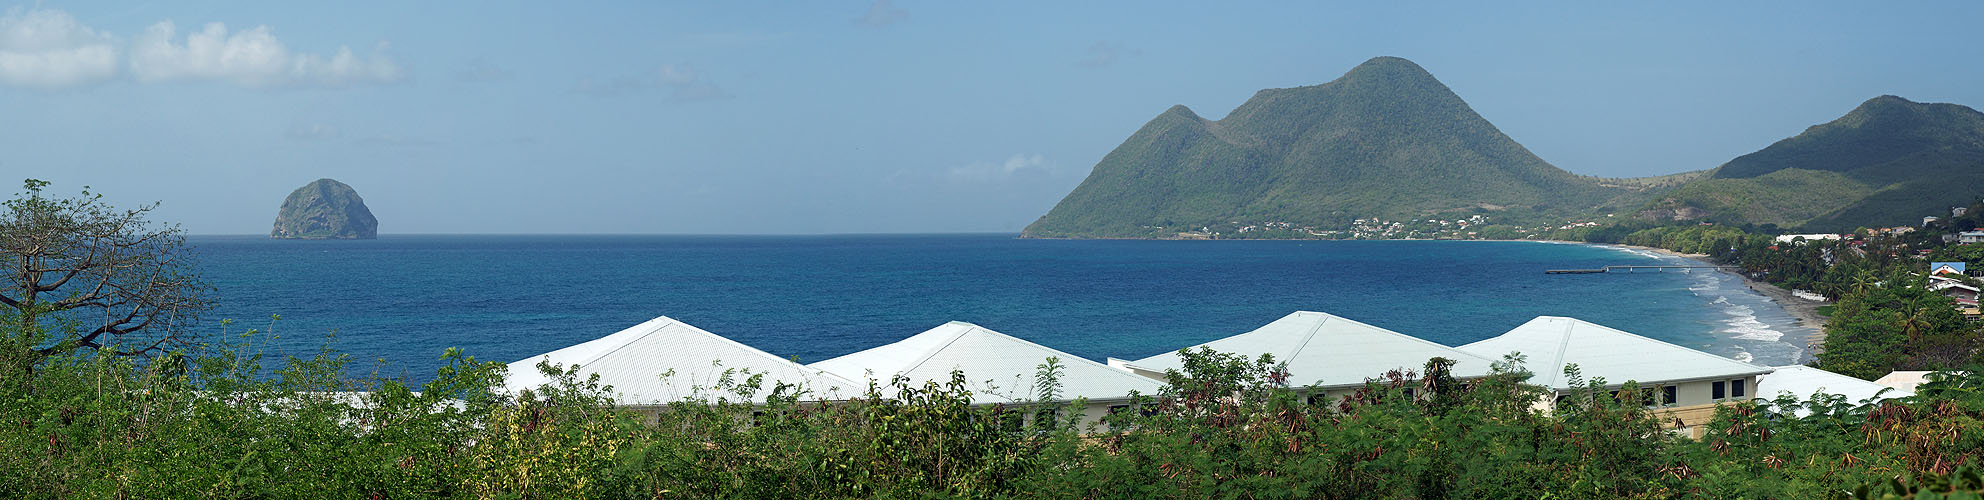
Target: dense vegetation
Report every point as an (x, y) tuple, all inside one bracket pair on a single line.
[(205, 424), (1385, 140), (1888, 162)]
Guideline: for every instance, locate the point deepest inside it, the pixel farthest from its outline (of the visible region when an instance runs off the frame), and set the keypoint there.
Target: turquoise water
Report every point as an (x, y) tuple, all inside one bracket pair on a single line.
[(403, 299)]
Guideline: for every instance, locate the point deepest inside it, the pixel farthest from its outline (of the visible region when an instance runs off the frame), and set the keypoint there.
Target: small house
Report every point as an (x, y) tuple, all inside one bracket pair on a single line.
[(1953, 268), (998, 368), (1802, 382), (663, 361), (1327, 355), (1683, 384)]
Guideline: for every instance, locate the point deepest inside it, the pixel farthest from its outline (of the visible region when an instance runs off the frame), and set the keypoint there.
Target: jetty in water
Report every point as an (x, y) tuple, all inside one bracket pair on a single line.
[(1631, 269)]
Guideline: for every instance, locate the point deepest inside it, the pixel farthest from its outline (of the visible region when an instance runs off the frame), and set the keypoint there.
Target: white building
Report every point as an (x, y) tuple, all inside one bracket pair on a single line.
[(998, 368), (1905, 380), (1804, 381), (695, 362), (1787, 238), (1330, 355), (1687, 384)]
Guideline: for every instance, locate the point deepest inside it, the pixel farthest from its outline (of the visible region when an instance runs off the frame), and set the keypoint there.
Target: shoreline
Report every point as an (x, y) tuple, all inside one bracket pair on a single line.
[(1805, 312)]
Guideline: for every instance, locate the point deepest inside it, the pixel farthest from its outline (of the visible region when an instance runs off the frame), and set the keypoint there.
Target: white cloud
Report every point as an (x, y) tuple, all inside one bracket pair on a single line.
[(882, 13), (251, 57), (991, 172), (47, 48), (1103, 54), (683, 83)]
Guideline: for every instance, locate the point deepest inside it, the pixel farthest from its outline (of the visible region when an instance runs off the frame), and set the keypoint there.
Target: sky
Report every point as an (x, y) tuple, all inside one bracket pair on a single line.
[(885, 116)]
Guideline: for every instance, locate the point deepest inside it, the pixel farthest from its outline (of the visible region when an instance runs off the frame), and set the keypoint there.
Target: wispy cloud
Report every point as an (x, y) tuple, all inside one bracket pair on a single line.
[(1104, 54), (251, 58), (681, 82), (46, 48), (311, 132), (480, 70), (397, 141), (882, 13), (986, 171)]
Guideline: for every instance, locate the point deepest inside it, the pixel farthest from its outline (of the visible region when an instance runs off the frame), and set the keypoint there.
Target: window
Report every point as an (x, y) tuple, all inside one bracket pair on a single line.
[(1408, 393), (1669, 394), (1115, 409), (1319, 399), (1718, 390), (1736, 387)]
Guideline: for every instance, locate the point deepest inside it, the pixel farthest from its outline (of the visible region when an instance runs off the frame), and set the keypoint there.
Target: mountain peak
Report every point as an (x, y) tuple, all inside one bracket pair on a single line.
[(1388, 68), (1386, 139)]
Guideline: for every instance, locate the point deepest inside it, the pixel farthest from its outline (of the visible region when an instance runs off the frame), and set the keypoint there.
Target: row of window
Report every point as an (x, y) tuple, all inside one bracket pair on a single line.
[(1736, 389)]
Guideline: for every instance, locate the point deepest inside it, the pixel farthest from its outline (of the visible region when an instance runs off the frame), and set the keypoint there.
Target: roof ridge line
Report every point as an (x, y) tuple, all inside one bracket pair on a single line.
[(1563, 345), (637, 338), (1309, 336), (925, 357)]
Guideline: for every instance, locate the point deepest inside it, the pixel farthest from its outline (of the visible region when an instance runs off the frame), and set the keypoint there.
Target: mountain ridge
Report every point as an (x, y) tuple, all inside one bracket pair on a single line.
[(1386, 139)]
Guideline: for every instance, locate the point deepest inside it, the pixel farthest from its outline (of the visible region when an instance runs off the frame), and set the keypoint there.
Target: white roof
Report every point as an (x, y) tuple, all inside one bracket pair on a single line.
[(1803, 381), (633, 361), (1904, 380), (1329, 351), (1550, 342), (997, 367)]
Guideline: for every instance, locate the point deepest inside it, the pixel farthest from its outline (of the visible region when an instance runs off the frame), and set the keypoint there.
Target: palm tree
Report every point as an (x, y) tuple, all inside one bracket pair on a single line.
[(1862, 282), (1914, 318)]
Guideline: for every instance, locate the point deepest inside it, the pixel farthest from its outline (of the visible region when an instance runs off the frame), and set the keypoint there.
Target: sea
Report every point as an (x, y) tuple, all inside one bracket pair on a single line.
[(396, 303)]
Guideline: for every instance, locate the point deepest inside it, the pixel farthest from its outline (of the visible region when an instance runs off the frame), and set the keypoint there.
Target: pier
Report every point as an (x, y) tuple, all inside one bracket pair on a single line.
[(1630, 269)]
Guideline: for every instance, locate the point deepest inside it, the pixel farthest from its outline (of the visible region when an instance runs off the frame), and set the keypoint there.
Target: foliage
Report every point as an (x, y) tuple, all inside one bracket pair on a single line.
[(1888, 162), (111, 273)]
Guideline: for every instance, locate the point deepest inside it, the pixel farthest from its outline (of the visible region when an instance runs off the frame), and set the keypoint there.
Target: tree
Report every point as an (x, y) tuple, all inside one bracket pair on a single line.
[(89, 275)]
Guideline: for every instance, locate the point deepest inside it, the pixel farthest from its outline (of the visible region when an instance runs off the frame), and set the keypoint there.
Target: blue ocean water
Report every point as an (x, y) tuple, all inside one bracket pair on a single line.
[(401, 300)]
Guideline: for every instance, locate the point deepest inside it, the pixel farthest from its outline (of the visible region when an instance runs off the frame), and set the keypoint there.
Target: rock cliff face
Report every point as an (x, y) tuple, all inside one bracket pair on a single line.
[(325, 210)]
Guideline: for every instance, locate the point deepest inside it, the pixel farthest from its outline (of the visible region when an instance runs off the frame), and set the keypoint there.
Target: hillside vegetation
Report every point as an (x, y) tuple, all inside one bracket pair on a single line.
[(1388, 141), (1888, 162), (1385, 140)]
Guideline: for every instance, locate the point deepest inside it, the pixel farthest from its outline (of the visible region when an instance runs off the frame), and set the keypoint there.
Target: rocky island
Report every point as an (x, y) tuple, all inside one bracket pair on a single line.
[(325, 210)]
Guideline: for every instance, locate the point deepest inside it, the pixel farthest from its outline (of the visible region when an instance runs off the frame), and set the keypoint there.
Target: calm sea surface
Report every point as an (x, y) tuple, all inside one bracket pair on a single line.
[(403, 299)]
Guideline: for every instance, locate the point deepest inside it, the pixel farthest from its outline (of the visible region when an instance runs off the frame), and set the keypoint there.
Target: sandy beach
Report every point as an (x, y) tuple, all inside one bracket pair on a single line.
[(1805, 311)]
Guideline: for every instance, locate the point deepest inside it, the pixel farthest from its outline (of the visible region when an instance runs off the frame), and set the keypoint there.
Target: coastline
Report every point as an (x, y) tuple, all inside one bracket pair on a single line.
[(1806, 312)]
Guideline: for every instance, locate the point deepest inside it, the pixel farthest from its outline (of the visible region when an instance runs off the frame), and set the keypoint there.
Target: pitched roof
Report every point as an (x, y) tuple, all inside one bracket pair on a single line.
[(1550, 342), (633, 361), (998, 367), (1803, 381), (1330, 351), (1937, 267), (1905, 380)]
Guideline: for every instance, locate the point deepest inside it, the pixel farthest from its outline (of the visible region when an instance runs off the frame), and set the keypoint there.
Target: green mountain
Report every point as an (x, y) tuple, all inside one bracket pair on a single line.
[(1384, 140), (325, 209), (1888, 162)]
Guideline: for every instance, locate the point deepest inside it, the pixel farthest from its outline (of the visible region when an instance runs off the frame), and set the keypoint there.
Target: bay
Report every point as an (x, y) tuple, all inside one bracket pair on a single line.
[(397, 302)]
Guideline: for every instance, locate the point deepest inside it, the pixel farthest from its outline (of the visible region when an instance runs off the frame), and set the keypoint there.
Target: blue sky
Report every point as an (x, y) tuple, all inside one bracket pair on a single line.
[(858, 117)]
